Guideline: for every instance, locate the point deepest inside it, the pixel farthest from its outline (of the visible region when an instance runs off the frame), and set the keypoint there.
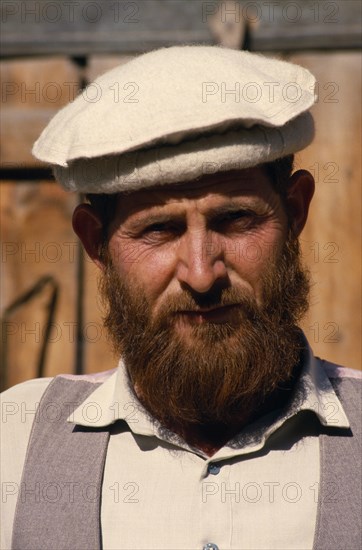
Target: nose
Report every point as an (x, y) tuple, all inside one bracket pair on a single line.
[(201, 262)]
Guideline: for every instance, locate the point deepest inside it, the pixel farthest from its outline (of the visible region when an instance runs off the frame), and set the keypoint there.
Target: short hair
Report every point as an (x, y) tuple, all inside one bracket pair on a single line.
[(279, 172)]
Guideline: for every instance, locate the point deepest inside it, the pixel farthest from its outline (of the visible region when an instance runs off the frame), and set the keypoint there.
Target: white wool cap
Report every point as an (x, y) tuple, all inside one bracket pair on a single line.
[(174, 114)]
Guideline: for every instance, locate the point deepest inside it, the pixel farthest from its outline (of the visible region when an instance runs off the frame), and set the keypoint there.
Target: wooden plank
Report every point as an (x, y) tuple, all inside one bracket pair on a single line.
[(99, 64), (32, 92), (307, 25), (36, 241), (86, 28), (38, 83), (332, 238), (94, 27), (19, 129)]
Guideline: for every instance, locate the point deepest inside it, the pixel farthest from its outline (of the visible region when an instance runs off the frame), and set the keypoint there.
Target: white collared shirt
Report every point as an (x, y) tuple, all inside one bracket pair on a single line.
[(259, 491)]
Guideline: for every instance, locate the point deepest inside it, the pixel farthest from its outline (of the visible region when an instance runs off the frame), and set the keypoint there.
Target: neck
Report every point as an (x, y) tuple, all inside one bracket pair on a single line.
[(210, 438)]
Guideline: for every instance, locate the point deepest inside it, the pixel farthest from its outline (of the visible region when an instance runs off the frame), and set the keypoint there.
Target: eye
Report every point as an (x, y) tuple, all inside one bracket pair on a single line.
[(236, 220), (163, 227), (238, 215), (157, 228), (161, 231)]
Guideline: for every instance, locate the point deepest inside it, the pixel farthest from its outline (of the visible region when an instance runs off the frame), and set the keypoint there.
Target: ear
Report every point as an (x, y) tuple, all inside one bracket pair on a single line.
[(88, 226), (300, 192)]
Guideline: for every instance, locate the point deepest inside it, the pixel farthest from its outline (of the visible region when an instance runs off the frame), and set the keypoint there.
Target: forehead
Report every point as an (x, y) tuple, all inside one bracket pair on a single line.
[(252, 182)]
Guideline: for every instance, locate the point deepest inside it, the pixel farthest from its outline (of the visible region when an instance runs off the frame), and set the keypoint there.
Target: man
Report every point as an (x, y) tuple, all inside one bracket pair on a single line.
[(219, 429)]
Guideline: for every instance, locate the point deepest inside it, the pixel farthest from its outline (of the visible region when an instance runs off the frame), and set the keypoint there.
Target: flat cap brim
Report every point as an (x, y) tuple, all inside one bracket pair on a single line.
[(186, 161)]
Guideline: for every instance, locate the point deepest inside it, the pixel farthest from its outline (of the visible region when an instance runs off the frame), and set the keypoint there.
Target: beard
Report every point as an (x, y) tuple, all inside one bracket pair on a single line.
[(217, 375)]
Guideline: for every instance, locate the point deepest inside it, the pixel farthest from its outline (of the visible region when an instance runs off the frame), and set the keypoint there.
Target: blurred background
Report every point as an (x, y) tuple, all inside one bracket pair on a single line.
[(50, 316)]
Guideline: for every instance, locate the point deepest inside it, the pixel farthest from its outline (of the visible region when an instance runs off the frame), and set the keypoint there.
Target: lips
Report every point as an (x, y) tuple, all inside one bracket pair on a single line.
[(221, 314)]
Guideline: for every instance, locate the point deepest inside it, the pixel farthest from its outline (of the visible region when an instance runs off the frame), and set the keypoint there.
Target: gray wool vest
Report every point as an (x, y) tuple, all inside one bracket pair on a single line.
[(69, 461)]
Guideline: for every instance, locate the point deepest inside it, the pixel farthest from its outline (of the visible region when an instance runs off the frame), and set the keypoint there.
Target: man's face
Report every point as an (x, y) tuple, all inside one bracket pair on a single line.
[(223, 231), (204, 288)]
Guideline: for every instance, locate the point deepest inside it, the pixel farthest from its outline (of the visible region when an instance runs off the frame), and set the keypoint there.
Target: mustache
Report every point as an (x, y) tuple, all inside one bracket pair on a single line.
[(216, 298)]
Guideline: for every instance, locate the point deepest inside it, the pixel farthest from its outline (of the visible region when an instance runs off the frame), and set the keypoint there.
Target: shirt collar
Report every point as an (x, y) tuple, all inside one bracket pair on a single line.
[(319, 394), (312, 392), (114, 400)]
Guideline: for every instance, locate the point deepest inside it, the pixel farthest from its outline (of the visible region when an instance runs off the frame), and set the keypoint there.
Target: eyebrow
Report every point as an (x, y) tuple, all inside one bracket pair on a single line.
[(227, 209)]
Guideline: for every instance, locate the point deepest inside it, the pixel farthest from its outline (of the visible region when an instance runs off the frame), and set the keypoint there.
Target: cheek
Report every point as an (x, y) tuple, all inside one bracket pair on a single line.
[(254, 254), (150, 267)]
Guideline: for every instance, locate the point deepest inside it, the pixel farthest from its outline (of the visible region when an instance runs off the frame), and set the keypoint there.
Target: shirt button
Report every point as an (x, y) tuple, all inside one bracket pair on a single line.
[(213, 469), (210, 546)]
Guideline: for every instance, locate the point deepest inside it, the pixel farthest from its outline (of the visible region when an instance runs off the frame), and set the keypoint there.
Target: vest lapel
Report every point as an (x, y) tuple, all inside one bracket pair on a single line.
[(339, 508), (59, 501)]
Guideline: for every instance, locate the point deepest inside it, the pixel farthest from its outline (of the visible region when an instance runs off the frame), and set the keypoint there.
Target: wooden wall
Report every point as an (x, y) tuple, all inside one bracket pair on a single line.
[(331, 240), (37, 240)]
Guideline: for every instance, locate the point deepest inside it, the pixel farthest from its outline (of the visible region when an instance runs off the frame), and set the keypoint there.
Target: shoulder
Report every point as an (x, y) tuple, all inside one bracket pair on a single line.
[(338, 372), (19, 405), (31, 390), (347, 384), (18, 409)]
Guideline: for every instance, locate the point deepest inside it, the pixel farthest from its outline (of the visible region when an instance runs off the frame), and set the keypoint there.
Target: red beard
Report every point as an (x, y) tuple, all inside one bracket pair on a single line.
[(220, 374)]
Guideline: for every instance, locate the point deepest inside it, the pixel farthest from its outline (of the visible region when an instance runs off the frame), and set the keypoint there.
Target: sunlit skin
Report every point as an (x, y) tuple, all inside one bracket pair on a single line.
[(197, 238), (223, 230)]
